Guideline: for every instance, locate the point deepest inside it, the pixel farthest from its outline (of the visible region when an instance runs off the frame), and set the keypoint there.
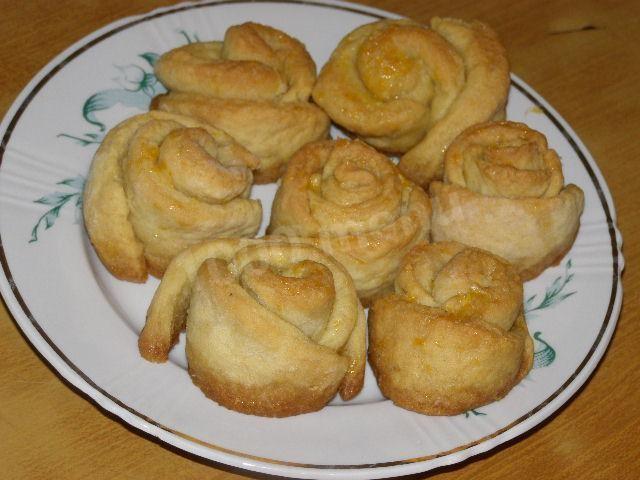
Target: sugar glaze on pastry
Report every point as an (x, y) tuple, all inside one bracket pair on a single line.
[(161, 182), (453, 336), (409, 88)]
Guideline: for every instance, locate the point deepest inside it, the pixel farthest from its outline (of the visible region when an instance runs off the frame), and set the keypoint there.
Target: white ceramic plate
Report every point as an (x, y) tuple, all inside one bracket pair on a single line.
[(85, 323)]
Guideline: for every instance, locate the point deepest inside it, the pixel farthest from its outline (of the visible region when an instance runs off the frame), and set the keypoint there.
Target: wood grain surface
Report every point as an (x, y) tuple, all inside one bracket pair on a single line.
[(582, 56)]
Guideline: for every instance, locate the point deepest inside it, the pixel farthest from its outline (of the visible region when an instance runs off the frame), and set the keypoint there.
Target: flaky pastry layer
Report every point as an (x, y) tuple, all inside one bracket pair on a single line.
[(273, 328), (161, 182)]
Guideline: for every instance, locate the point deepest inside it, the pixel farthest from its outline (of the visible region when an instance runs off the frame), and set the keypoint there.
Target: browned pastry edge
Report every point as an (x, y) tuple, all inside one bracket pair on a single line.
[(121, 269), (150, 349), (274, 400), (367, 301), (550, 260), (155, 347), (269, 175)]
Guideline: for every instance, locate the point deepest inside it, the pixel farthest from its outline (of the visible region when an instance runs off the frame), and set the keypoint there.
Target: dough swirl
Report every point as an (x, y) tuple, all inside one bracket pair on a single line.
[(161, 182), (255, 85), (273, 328), (504, 191), (404, 87), (351, 201), (453, 336)]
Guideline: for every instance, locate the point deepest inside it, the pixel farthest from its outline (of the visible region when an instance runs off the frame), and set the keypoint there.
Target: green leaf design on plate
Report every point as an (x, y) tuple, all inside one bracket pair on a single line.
[(57, 200), (544, 354), (189, 38), (150, 57), (88, 138), (473, 412), (554, 294), (76, 183), (137, 86)]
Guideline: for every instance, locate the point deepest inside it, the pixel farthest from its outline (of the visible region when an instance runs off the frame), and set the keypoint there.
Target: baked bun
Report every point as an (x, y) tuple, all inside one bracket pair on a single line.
[(255, 86), (503, 191), (405, 87), (273, 328), (161, 182), (350, 200), (453, 336)]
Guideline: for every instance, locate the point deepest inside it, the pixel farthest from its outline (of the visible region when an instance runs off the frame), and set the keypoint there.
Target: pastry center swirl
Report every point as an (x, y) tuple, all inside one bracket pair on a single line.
[(254, 62), (200, 169), (412, 63), (355, 193), (302, 293), (509, 161), (465, 282), (173, 167)]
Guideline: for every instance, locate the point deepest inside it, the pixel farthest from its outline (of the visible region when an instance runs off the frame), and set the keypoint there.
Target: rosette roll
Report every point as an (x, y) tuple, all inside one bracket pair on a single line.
[(272, 328), (503, 191), (351, 201), (405, 87), (255, 85), (161, 182), (453, 336)]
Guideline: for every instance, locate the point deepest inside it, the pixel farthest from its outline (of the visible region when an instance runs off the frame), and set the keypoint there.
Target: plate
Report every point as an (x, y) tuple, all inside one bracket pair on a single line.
[(87, 326)]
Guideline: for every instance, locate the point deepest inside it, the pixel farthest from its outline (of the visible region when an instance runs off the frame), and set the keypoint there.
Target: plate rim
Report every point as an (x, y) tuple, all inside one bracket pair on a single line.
[(70, 373)]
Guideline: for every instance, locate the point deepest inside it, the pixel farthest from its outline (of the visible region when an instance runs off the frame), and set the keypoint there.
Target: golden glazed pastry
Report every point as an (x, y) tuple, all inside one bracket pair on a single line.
[(453, 336), (405, 87), (351, 201), (161, 182), (504, 191), (273, 328), (255, 86)]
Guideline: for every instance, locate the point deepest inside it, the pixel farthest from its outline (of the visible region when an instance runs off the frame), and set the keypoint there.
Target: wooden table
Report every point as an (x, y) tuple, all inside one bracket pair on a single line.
[(582, 56)]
